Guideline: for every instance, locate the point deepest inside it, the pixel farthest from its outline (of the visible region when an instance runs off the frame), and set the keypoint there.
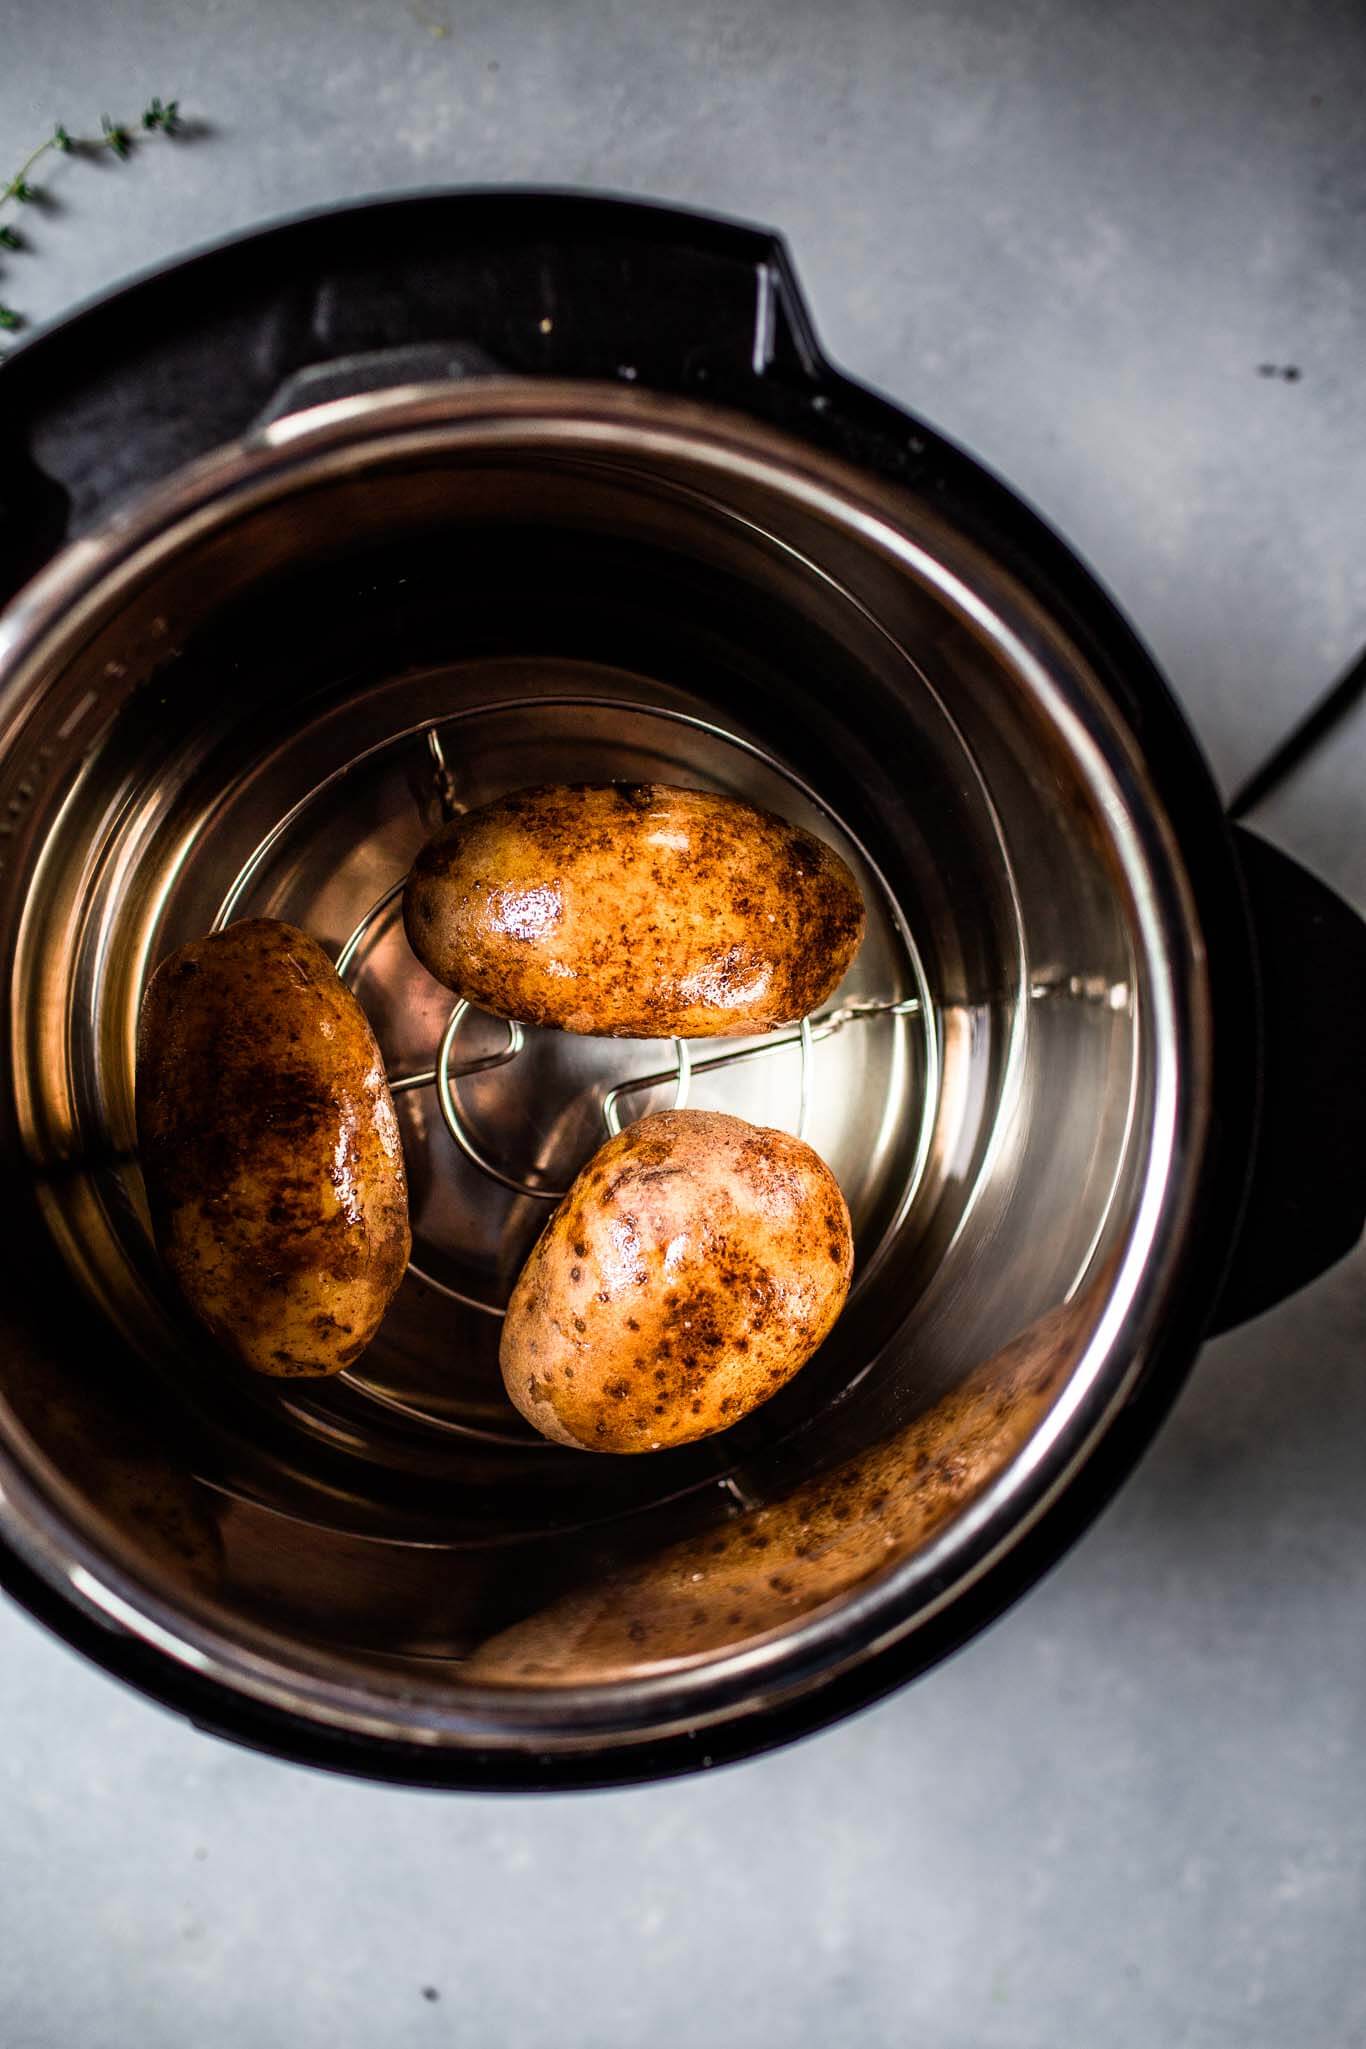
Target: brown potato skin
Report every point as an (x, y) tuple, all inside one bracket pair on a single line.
[(770, 1566), (633, 910), (694, 1265), (270, 1149)]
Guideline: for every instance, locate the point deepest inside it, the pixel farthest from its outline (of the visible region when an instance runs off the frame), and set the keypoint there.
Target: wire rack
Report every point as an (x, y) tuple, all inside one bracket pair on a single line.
[(449, 1069)]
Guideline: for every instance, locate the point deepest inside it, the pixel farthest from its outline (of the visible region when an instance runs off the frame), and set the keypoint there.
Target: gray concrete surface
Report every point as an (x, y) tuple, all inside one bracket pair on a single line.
[(1134, 1814)]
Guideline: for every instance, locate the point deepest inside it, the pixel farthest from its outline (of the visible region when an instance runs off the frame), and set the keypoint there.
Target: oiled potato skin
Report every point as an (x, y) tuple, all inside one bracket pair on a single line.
[(270, 1149), (773, 1564), (694, 1265), (633, 910)]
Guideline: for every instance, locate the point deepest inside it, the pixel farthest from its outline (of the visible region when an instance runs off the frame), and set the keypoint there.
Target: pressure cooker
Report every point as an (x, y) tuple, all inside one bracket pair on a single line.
[(311, 542)]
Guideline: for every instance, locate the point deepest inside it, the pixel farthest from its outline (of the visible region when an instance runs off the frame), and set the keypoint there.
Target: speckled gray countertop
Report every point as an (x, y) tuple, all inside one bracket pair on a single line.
[(1090, 242)]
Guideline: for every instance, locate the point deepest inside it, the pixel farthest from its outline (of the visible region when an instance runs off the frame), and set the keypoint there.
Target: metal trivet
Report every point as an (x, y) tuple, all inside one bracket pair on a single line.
[(448, 1072)]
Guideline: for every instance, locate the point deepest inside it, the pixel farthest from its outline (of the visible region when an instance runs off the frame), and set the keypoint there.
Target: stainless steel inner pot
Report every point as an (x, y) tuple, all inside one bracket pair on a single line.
[(255, 692)]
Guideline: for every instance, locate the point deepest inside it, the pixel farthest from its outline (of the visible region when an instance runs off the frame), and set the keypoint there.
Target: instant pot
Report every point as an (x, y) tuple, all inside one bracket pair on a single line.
[(316, 539)]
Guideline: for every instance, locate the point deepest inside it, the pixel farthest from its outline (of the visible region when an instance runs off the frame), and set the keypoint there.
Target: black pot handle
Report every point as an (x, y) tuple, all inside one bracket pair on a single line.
[(544, 283), (1306, 1200)]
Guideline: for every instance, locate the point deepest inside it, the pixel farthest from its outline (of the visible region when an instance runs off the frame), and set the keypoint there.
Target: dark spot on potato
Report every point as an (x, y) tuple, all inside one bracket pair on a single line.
[(576, 1273)]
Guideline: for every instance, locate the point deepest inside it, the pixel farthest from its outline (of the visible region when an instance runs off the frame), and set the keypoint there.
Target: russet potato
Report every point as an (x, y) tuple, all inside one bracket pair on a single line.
[(270, 1149), (633, 910), (696, 1263), (771, 1566)]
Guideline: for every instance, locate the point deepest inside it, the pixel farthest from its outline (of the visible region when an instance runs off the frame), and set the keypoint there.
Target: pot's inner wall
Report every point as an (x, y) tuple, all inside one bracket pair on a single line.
[(262, 707)]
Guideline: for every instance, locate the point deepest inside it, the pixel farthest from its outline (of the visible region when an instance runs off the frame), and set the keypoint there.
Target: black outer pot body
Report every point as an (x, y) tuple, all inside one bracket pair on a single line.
[(552, 284)]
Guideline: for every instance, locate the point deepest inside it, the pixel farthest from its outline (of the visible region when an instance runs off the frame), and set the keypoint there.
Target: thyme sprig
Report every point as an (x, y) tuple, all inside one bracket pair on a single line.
[(119, 138)]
